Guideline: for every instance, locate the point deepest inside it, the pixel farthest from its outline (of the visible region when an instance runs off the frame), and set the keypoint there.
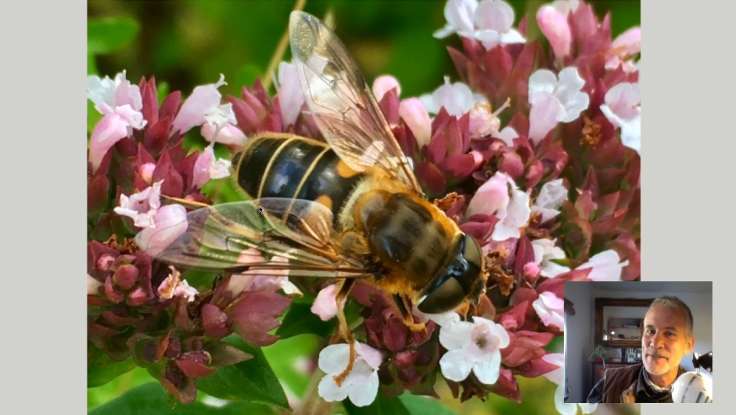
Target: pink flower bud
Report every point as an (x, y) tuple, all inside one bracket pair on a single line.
[(146, 171), (214, 321), (383, 84), (325, 305), (138, 297), (416, 117), (531, 271), (105, 262), (553, 24), (125, 276), (111, 293)]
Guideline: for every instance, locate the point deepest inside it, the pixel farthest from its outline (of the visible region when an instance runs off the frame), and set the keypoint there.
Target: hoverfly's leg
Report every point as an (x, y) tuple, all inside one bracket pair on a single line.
[(343, 328), (403, 303)]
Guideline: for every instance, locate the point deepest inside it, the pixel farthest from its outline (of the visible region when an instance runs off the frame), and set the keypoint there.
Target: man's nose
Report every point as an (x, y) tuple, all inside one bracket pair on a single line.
[(657, 340)]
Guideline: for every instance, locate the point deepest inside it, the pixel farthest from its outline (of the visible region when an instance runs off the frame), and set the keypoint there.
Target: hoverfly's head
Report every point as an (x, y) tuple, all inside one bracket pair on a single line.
[(460, 278)]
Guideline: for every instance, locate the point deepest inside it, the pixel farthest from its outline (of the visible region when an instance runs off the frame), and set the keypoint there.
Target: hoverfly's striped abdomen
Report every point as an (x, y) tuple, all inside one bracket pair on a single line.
[(281, 165)]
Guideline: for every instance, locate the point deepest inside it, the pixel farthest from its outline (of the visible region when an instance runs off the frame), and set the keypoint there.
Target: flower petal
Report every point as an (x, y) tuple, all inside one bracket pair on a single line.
[(291, 96), (227, 134), (325, 305), (455, 335), (562, 407), (416, 117), (494, 15), (542, 80), (370, 355), (171, 222), (487, 370), (556, 29), (329, 391), (454, 365), (383, 84), (490, 197), (204, 98), (365, 392), (333, 359), (108, 131), (544, 115)]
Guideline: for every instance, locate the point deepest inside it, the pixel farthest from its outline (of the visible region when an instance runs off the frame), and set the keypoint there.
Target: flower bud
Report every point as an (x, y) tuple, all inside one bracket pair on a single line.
[(125, 276)]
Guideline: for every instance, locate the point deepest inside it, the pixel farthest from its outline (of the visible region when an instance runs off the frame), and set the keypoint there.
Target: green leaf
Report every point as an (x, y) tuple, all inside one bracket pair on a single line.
[(381, 406), (424, 405), (286, 356), (252, 380), (110, 34), (151, 399), (299, 319), (101, 369)]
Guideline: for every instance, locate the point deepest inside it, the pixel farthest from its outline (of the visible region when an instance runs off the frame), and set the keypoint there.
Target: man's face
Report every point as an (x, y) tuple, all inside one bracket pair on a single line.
[(665, 340)]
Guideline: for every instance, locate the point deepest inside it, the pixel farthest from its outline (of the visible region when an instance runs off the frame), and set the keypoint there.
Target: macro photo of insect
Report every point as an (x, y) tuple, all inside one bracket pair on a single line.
[(368, 207)]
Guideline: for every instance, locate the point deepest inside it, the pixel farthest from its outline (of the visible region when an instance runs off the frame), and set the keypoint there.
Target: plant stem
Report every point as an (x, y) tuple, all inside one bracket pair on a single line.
[(313, 404)]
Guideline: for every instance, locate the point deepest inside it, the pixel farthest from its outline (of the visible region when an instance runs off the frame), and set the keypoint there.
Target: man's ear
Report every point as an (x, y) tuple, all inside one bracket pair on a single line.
[(691, 343)]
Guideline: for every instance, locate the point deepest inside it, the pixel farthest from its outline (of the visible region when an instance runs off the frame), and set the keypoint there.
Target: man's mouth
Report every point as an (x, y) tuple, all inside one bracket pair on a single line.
[(658, 356)]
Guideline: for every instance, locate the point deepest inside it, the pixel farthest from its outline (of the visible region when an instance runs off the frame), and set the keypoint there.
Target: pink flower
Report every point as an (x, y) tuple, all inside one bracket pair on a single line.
[(501, 197), (291, 96), (207, 167), (553, 23), (554, 100), (416, 117), (550, 309), (472, 347), (141, 206), (170, 222), (203, 108), (325, 305), (120, 103), (383, 84), (627, 44), (623, 109)]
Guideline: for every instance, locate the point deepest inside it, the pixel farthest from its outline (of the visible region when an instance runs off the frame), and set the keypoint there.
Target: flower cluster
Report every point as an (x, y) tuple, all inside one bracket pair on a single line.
[(140, 166), (533, 151)]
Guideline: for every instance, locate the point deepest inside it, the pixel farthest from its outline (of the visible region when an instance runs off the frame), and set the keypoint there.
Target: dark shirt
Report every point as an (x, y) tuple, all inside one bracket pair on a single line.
[(636, 384)]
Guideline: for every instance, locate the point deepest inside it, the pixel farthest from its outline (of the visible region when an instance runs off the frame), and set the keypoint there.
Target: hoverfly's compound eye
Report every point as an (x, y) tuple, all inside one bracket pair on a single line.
[(457, 280)]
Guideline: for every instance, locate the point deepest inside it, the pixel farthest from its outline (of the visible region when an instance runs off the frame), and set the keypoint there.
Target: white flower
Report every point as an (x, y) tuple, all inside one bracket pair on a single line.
[(141, 206), (571, 408), (472, 347), (442, 319), (500, 196), (623, 109), (457, 98), (605, 266), (551, 309), (552, 195), (489, 21), (545, 252), (169, 223), (554, 100), (557, 376), (361, 383)]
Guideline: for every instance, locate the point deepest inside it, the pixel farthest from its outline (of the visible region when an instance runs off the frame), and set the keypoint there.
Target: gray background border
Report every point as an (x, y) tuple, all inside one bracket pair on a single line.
[(688, 171)]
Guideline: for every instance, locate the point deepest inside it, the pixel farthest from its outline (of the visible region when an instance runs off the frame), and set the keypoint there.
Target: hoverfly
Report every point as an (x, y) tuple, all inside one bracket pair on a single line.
[(349, 208)]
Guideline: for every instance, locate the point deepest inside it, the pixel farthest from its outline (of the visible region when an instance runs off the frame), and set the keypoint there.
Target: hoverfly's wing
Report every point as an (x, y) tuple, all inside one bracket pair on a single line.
[(271, 236), (343, 105)]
